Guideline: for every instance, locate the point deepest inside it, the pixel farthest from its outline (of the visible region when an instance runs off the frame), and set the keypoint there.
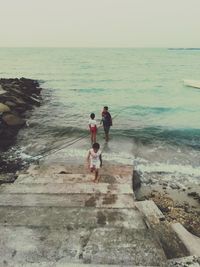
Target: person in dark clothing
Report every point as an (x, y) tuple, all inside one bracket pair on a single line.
[(107, 122)]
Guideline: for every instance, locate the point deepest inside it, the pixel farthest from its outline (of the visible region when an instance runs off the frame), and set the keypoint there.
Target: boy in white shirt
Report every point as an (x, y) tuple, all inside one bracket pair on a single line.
[(94, 160)]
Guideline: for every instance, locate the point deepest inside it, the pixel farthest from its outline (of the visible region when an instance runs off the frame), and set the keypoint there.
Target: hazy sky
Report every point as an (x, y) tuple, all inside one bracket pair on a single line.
[(102, 23)]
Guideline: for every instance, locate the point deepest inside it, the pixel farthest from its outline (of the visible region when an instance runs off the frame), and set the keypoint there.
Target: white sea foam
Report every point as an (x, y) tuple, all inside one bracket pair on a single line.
[(140, 164), (169, 168)]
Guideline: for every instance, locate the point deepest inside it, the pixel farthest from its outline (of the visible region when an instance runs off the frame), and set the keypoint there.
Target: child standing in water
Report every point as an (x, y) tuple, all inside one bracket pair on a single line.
[(93, 128), (107, 122), (94, 160)]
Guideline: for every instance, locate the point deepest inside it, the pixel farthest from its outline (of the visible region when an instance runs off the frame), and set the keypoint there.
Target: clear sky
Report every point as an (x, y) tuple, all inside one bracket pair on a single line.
[(100, 23)]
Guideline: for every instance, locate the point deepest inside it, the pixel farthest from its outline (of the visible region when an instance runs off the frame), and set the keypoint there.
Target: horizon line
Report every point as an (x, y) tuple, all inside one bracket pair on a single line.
[(108, 47)]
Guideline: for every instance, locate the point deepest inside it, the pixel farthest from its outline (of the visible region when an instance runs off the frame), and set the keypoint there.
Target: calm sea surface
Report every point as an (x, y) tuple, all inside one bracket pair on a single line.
[(156, 118)]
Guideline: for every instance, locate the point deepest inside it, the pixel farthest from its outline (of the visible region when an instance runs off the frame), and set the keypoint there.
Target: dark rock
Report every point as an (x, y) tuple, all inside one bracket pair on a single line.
[(141, 198), (13, 120), (16, 97), (10, 165), (10, 104), (193, 194), (163, 208), (7, 178), (174, 186), (136, 181), (4, 108), (187, 209)]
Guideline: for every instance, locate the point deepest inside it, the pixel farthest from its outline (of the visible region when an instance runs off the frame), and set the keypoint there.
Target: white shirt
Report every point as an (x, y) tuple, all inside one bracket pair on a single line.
[(94, 158), (92, 123)]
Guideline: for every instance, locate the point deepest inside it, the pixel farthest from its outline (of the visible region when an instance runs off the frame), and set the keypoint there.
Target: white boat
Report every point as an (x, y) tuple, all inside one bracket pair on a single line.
[(192, 83)]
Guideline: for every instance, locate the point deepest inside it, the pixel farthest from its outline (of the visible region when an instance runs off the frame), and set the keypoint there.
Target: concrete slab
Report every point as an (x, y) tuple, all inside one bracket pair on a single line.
[(54, 168), (54, 178), (72, 218), (68, 200), (150, 211), (53, 188), (67, 265), (191, 241), (123, 246), (53, 264), (24, 245), (66, 178)]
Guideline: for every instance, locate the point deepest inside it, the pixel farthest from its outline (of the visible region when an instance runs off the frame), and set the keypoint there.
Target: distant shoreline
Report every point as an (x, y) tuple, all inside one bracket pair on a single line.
[(189, 48)]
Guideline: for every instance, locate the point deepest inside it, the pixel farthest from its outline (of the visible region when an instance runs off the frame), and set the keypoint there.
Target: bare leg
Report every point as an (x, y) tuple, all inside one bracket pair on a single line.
[(96, 176), (106, 130), (91, 136), (106, 137)]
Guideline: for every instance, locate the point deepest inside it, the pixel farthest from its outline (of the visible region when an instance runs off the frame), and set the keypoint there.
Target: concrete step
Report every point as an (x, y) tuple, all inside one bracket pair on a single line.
[(54, 178), (66, 178), (53, 264), (71, 218), (56, 168), (57, 178), (150, 211), (191, 242), (53, 188), (21, 245), (68, 200), (123, 246)]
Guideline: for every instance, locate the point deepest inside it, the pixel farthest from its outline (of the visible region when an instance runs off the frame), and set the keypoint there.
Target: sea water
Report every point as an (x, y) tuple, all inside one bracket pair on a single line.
[(156, 118)]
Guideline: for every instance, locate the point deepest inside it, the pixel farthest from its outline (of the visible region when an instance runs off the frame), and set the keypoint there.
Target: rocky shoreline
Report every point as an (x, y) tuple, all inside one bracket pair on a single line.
[(179, 204), (17, 98)]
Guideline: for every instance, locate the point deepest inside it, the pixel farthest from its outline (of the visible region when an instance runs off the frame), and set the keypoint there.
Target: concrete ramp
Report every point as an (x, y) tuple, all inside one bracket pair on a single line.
[(65, 219)]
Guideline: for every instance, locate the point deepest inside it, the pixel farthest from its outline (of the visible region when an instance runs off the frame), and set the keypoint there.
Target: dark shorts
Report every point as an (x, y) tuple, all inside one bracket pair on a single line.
[(106, 129)]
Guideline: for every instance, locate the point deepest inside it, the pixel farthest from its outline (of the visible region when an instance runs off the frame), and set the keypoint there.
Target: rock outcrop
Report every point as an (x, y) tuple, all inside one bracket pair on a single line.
[(16, 97)]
